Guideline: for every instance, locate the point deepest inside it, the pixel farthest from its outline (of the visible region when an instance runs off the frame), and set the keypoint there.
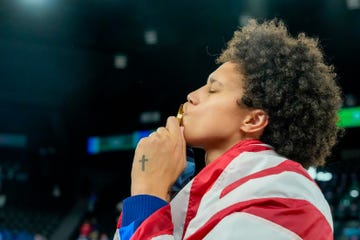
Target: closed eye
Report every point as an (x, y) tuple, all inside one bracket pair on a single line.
[(212, 90)]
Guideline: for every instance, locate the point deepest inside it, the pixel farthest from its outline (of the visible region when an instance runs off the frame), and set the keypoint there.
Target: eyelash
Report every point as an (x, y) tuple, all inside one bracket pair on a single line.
[(211, 90)]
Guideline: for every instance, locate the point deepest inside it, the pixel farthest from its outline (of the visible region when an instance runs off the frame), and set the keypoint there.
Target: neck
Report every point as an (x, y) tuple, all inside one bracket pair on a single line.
[(214, 153)]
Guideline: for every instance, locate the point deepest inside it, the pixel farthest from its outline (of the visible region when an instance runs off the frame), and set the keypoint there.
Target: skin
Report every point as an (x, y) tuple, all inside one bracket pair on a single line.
[(212, 120)]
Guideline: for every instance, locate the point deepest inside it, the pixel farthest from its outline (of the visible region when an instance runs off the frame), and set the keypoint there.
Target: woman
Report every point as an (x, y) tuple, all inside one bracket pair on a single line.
[(266, 114)]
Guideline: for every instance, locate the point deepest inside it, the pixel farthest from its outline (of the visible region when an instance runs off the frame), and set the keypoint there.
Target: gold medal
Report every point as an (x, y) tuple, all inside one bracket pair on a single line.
[(180, 114)]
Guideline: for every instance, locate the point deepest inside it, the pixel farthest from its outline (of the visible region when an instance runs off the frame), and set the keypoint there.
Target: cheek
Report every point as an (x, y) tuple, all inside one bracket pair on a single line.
[(211, 124), (199, 127)]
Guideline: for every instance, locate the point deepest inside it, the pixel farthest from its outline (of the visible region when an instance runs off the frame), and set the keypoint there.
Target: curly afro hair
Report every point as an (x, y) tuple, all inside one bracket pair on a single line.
[(288, 78)]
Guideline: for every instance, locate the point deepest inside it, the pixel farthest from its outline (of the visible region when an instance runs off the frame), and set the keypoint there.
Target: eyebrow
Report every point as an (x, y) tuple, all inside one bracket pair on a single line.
[(213, 80)]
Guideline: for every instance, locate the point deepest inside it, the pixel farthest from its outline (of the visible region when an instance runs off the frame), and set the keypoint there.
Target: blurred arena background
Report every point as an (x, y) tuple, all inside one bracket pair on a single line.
[(81, 81)]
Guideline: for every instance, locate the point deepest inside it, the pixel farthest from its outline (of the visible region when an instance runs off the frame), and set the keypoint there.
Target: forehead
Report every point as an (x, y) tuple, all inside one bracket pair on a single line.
[(227, 74)]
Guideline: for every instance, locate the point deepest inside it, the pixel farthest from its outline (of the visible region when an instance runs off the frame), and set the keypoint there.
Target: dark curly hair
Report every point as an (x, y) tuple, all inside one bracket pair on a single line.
[(288, 78)]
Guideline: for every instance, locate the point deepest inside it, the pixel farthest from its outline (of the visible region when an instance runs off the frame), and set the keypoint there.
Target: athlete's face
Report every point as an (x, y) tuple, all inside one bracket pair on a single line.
[(212, 117)]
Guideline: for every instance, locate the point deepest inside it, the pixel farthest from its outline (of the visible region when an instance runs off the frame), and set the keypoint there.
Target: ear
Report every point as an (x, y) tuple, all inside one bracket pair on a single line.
[(255, 121)]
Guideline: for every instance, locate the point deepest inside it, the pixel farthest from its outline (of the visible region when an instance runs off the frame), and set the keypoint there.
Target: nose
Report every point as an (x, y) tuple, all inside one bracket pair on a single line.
[(190, 98)]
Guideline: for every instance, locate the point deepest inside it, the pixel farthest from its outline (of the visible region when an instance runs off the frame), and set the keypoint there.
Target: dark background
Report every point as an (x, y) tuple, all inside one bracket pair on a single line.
[(59, 85)]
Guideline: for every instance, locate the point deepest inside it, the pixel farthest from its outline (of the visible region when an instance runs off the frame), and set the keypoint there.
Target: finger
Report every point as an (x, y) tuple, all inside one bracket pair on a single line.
[(172, 124), (161, 130)]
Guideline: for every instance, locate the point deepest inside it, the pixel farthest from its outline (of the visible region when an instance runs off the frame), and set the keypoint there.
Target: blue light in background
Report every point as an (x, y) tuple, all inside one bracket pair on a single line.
[(96, 145), (93, 145)]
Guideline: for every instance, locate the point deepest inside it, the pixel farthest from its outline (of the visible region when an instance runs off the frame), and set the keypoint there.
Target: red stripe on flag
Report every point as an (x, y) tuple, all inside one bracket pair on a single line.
[(287, 165), (159, 223), (207, 177), (298, 216), (119, 221)]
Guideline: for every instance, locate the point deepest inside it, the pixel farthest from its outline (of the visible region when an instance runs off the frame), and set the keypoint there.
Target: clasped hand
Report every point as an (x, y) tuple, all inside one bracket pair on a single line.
[(159, 160)]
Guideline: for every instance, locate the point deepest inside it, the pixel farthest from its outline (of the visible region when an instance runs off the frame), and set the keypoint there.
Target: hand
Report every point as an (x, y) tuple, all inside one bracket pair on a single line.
[(159, 160)]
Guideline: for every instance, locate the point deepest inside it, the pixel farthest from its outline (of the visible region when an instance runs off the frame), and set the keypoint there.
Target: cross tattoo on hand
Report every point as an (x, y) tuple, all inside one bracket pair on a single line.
[(143, 160)]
